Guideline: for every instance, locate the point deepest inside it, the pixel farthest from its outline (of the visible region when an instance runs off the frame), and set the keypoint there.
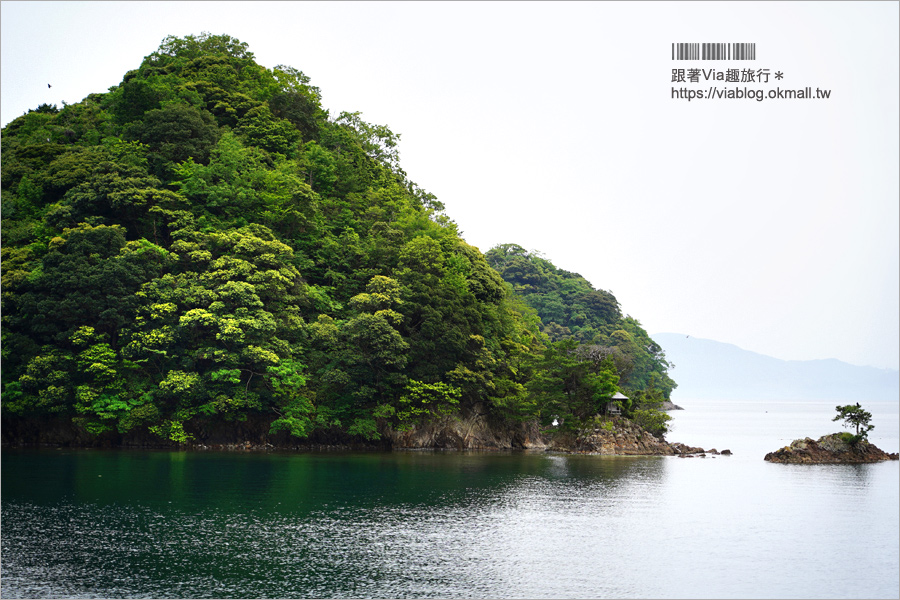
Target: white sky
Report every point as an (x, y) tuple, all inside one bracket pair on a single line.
[(770, 225)]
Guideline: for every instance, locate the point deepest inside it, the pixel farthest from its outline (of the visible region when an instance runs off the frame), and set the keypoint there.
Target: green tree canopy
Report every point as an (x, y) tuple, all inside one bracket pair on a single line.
[(204, 243), (855, 416), (570, 308)]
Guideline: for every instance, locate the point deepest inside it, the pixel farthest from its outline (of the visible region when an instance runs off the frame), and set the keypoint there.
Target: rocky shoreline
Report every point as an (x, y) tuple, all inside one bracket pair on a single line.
[(829, 449), (623, 437), (616, 436)]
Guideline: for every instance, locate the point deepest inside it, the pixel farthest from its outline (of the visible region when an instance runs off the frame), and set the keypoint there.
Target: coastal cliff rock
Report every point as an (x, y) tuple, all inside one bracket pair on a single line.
[(476, 432), (829, 449), (623, 437)]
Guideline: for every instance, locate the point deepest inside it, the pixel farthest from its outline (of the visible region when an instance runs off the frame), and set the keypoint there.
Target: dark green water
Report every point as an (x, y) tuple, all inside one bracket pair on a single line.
[(82, 523), (177, 524)]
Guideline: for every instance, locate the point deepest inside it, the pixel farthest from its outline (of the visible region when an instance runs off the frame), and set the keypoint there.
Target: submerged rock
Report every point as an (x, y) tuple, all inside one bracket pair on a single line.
[(829, 449)]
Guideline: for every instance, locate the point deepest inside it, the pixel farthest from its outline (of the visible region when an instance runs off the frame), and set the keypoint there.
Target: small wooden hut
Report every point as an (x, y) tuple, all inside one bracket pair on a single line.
[(613, 408)]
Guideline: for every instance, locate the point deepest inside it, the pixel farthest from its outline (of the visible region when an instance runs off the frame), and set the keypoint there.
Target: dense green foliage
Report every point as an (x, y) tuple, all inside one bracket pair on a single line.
[(853, 415), (204, 242), (571, 309)]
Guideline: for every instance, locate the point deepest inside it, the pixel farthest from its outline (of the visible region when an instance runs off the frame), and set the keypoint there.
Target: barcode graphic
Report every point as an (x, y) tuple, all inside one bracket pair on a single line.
[(713, 51)]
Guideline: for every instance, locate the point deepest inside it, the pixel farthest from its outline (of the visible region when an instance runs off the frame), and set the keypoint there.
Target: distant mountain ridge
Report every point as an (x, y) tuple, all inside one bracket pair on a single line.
[(707, 369)]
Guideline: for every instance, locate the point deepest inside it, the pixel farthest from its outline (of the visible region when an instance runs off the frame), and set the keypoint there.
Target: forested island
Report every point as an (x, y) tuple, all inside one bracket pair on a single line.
[(203, 254)]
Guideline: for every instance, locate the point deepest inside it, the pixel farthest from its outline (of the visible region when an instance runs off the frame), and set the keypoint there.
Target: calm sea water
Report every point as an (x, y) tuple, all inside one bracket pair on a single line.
[(89, 523)]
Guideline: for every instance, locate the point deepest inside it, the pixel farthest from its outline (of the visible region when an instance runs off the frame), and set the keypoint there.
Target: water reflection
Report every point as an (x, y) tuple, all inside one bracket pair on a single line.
[(560, 538), (433, 524), (291, 482), (405, 524)]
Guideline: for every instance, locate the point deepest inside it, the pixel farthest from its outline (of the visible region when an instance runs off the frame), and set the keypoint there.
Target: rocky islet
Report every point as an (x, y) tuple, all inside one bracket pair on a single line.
[(829, 449)]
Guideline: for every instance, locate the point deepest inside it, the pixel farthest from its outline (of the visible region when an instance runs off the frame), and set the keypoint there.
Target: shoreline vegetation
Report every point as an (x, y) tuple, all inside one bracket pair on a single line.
[(604, 436), (204, 253)]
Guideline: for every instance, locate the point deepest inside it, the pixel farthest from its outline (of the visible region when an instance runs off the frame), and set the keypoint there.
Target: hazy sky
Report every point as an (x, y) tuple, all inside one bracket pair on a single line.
[(771, 225)]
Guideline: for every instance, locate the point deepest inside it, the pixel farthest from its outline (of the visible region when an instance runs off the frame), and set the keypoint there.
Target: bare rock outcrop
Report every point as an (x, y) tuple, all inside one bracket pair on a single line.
[(623, 437), (472, 432), (829, 449), (475, 432)]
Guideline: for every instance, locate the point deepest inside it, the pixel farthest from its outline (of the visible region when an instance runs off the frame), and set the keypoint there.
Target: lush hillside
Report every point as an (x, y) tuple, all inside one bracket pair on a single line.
[(204, 243), (709, 369), (570, 308)]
